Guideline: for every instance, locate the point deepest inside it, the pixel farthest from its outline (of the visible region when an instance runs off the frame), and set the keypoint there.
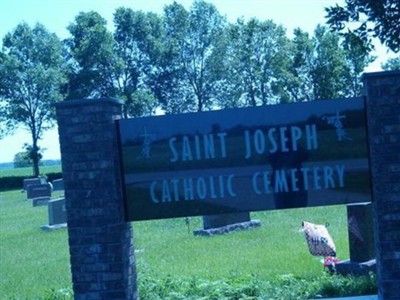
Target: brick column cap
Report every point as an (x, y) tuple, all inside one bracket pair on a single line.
[(381, 74), (88, 101)]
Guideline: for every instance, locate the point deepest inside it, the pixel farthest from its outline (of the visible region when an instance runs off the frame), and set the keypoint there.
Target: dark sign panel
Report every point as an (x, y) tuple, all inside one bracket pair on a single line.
[(248, 159)]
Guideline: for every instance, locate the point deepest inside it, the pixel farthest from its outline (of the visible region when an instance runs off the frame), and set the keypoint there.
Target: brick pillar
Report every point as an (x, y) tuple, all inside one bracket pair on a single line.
[(100, 242), (382, 91)]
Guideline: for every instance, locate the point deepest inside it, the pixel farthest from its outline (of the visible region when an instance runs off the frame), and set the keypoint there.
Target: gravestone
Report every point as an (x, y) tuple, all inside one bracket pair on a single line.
[(361, 232), (361, 241), (38, 191), (31, 181), (224, 223), (57, 213), (215, 221), (40, 201), (58, 184), (228, 228)]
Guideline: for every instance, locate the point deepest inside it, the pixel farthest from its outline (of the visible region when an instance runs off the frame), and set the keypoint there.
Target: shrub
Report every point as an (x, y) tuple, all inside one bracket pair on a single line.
[(17, 182), (287, 287)]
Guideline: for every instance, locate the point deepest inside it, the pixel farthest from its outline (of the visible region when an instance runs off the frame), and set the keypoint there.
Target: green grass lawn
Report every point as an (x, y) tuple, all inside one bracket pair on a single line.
[(278, 247), (33, 262), (27, 172)]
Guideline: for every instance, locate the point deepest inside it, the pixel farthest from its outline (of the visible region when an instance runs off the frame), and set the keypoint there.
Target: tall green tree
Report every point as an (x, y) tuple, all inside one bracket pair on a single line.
[(113, 64), (31, 80), (92, 60), (300, 86), (329, 70), (195, 37), (326, 65), (258, 62), (138, 46), (357, 59), (176, 96)]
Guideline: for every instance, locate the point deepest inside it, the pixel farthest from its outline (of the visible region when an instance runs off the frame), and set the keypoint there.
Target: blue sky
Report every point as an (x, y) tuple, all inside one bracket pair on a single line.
[(56, 15)]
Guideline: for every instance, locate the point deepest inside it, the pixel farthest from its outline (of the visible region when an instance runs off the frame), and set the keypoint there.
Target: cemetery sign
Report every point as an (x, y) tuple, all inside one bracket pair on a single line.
[(246, 159)]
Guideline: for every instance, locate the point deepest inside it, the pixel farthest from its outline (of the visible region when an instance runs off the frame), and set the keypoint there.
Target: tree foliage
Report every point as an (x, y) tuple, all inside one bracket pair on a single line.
[(259, 55), (180, 61), (329, 66), (104, 64), (31, 77), (374, 18), (195, 38), (27, 157), (356, 59), (392, 64), (138, 42), (300, 85), (91, 57), (21, 160), (194, 60)]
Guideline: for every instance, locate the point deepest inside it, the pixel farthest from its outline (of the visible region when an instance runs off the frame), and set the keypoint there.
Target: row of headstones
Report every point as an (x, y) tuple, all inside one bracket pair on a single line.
[(39, 187), (39, 192)]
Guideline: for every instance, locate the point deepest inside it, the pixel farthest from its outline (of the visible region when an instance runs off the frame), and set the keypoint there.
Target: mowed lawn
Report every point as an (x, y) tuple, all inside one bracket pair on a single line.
[(34, 262)]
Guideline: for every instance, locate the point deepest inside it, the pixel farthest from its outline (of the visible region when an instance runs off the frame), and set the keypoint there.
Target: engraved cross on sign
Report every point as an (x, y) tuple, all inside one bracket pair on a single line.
[(147, 140), (336, 121)]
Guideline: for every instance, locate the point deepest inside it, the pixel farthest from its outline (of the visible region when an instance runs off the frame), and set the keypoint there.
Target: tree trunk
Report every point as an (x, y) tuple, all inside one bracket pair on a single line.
[(35, 159), (34, 154)]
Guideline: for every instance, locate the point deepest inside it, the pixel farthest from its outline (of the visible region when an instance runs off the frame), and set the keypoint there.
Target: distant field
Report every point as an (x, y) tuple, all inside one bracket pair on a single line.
[(28, 171), (33, 261)]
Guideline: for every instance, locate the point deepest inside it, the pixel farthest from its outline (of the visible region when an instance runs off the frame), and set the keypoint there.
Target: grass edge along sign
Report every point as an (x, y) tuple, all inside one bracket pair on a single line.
[(245, 159)]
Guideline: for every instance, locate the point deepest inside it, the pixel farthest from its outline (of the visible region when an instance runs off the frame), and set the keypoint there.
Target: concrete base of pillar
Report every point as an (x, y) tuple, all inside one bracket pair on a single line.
[(53, 227), (348, 267)]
